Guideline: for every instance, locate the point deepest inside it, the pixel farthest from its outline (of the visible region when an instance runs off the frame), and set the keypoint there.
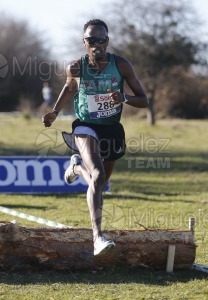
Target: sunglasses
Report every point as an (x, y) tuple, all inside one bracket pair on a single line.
[(92, 40)]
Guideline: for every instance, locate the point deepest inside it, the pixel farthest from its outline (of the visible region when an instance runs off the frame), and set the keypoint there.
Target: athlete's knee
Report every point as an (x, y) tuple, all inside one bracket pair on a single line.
[(98, 176)]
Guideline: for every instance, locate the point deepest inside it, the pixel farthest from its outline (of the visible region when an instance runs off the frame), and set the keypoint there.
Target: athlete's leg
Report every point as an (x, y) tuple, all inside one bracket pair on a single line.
[(108, 167), (94, 173), (82, 171)]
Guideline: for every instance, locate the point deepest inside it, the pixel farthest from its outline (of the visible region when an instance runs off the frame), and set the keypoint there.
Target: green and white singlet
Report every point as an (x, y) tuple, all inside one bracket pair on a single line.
[(92, 103)]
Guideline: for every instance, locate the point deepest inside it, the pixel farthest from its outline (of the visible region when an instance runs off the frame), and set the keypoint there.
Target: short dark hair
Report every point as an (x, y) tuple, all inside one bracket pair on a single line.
[(95, 22)]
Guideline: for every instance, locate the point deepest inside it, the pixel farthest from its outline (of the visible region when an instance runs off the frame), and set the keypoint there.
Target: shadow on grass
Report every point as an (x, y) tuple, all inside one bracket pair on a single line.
[(116, 275), (162, 189), (144, 196), (12, 206), (29, 152), (118, 197), (175, 161), (186, 174)]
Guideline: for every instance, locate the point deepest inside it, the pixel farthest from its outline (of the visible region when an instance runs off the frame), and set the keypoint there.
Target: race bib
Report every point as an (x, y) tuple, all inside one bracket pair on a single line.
[(101, 106)]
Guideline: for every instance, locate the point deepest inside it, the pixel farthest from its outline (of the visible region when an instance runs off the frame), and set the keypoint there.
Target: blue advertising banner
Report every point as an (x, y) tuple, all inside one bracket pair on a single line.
[(32, 175)]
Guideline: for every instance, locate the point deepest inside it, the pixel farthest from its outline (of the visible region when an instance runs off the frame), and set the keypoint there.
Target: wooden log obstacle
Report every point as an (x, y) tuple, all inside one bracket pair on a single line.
[(37, 248)]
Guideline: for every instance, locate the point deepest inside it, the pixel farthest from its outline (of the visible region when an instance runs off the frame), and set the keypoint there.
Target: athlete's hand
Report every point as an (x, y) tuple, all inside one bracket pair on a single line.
[(116, 96), (48, 119)]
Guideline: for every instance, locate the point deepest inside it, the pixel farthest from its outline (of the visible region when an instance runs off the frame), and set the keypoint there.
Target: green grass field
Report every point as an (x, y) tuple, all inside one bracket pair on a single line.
[(160, 183)]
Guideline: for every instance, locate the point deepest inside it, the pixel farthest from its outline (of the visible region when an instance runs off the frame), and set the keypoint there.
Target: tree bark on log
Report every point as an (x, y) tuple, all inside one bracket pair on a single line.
[(37, 248)]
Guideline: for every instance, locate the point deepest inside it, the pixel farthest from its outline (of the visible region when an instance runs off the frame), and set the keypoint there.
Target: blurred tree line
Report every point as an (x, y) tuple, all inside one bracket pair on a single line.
[(25, 63), (163, 42), (161, 39)]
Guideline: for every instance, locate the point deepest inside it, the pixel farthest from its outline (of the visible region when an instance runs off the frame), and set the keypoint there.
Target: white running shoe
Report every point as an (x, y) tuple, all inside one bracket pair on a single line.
[(69, 175), (101, 245)]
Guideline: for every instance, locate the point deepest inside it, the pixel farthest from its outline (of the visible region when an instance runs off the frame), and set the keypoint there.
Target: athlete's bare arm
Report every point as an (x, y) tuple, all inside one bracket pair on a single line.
[(69, 90), (127, 71)]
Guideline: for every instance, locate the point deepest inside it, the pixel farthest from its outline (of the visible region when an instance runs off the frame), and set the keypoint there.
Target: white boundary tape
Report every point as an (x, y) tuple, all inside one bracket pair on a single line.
[(199, 268), (31, 218)]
